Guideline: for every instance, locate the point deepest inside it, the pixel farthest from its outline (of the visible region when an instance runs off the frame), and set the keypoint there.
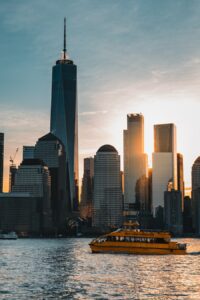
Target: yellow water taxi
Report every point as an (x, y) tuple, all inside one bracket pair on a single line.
[(130, 239)]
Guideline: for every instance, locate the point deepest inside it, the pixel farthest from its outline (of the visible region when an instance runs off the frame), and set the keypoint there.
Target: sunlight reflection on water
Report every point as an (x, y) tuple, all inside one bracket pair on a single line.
[(66, 269)]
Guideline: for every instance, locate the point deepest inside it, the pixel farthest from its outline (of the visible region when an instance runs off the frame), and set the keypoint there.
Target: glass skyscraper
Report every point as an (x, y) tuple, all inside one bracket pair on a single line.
[(1, 160), (64, 123), (164, 162), (107, 200), (135, 163), (51, 151)]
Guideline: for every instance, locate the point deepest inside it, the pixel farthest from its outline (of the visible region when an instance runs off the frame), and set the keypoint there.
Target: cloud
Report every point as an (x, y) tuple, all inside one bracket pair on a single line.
[(91, 113), (21, 119)]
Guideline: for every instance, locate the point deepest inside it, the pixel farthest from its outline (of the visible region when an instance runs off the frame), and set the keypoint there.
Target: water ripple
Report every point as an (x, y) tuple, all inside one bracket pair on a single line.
[(66, 269)]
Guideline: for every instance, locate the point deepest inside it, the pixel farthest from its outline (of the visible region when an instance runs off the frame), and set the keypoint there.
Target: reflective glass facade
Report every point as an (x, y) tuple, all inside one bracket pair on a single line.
[(164, 137), (64, 119), (1, 160), (164, 162), (135, 161)]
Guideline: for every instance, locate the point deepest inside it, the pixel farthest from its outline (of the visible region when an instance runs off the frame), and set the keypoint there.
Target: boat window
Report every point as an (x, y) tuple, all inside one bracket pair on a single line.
[(159, 240), (167, 240), (101, 239), (182, 246), (126, 239)]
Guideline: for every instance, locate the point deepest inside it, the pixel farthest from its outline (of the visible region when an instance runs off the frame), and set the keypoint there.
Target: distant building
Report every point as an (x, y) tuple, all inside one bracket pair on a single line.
[(135, 162), (33, 177), (21, 212), (173, 218), (12, 174), (87, 188), (187, 215), (196, 210), (107, 204), (1, 160), (164, 163), (196, 195), (142, 196), (180, 177), (51, 151), (28, 152), (150, 189), (64, 120)]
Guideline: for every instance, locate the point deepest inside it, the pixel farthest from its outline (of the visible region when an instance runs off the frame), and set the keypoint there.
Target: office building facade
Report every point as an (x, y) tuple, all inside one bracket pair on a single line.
[(28, 152), (187, 215), (1, 160), (180, 177), (64, 122), (87, 188), (196, 196), (12, 174), (21, 212), (164, 162), (173, 217), (33, 177), (51, 151), (107, 203), (135, 161)]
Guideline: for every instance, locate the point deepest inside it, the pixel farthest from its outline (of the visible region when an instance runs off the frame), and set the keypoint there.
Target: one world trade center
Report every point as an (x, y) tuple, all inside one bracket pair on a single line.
[(64, 122)]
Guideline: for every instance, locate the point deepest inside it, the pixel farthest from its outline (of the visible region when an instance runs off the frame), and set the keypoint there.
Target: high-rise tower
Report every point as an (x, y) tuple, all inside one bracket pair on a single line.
[(107, 201), (64, 122), (196, 195), (87, 188), (135, 161), (1, 160), (51, 151), (164, 174), (180, 177)]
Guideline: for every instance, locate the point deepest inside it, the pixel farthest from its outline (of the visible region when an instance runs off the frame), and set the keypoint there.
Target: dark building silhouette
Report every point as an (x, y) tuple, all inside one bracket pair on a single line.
[(173, 217), (64, 117), (196, 196), (28, 152), (141, 192), (1, 160), (187, 215), (51, 151), (150, 189), (33, 177), (87, 188), (21, 212), (12, 174), (180, 176)]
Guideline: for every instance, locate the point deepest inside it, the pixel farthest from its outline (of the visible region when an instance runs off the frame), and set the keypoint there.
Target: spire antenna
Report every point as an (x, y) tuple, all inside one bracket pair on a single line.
[(64, 46)]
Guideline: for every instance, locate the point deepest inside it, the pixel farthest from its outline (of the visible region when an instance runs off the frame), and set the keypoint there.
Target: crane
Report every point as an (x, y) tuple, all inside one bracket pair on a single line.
[(12, 159)]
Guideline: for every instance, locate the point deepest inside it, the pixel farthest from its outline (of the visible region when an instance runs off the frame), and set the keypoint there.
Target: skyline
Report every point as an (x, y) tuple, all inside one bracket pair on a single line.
[(153, 68)]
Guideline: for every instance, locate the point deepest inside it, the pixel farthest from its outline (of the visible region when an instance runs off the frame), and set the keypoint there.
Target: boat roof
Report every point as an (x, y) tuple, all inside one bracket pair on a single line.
[(140, 233)]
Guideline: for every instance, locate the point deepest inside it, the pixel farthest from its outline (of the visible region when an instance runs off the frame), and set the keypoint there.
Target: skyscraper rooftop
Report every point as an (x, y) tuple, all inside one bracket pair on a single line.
[(107, 148)]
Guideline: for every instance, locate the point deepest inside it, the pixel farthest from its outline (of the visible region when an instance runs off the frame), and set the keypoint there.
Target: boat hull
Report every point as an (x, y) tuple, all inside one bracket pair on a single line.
[(135, 250)]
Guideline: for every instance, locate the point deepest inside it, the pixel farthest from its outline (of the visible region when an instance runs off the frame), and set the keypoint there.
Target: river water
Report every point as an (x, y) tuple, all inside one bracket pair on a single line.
[(66, 269)]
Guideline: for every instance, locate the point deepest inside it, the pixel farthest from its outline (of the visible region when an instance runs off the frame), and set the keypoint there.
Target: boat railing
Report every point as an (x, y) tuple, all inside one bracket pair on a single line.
[(132, 239)]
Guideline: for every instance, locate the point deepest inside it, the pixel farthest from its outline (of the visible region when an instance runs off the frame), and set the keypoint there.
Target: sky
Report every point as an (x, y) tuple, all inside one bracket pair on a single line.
[(133, 56)]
